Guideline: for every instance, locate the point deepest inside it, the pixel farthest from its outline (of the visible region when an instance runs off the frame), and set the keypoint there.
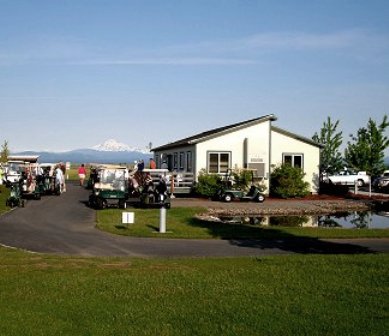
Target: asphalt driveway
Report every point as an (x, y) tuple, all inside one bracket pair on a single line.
[(65, 225)]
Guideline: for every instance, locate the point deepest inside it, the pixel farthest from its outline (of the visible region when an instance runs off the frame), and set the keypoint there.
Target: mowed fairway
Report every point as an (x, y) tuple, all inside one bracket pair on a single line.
[(283, 295)]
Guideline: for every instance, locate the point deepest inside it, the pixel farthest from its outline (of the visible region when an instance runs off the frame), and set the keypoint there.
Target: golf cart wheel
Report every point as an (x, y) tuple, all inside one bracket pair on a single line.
[(37, 196), (22, 203), (360, 183), (227, 198), (260, 198), (100, 203), (167, 205)]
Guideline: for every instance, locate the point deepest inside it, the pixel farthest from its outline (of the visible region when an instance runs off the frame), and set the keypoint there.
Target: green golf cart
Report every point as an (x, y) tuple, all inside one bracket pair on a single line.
[(110, 188), (231, 189)]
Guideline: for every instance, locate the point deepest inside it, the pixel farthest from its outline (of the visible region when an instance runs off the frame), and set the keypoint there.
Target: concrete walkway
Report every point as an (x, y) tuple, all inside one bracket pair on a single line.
[(65, 225)]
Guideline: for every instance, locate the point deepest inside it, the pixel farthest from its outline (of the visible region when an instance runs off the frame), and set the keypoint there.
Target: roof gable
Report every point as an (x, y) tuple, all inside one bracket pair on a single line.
[(296, 136), (200, 137)]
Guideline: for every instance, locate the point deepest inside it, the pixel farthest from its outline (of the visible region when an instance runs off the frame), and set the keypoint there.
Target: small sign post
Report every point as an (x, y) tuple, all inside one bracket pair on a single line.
[(128, 218), (162, 220)]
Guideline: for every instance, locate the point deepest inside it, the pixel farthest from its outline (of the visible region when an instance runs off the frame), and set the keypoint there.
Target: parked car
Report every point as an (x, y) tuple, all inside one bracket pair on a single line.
[(349, 177), (382, 183)]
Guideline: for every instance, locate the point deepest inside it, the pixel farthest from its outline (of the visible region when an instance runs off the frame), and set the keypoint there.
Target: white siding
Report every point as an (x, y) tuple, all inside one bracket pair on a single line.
[(257, 149), (283, 144)]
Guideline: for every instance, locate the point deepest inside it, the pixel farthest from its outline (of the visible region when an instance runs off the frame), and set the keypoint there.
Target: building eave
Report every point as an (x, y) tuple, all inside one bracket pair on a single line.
[(296, 136), (207, 135)]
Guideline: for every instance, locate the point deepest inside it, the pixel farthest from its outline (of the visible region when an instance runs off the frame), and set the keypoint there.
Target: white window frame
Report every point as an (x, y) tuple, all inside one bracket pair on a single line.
[(293, 155), (218, 153)]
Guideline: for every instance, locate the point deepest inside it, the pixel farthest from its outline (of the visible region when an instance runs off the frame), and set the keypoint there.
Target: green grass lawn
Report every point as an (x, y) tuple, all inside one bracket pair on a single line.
[(182, 224), (283, 295), (72, 173)]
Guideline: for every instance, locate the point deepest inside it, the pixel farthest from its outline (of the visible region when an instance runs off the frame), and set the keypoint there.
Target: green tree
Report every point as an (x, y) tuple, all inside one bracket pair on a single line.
[(287, 181), (366, 150), (4, 152), (330, 156)]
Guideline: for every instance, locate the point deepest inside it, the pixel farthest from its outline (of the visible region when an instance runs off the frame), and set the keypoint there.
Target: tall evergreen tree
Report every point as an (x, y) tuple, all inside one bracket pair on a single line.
[(366, 150), (330, 156), (4, 152)]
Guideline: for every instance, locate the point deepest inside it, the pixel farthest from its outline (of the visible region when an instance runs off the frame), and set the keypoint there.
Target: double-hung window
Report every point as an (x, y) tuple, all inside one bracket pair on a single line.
[(218, 162), (295, 160), (189, 161), (181, 160), (175, 161)]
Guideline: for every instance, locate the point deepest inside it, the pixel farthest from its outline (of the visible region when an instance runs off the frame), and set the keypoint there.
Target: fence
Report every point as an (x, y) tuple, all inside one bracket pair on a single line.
[(178, 182)]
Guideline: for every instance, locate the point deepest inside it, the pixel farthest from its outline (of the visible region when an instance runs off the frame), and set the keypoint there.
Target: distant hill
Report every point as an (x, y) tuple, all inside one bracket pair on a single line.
[(110, 151), (89, 155)]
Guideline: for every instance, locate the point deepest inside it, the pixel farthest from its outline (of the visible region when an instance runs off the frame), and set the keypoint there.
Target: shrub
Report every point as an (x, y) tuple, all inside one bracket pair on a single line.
[(287, 182), (208, 184)]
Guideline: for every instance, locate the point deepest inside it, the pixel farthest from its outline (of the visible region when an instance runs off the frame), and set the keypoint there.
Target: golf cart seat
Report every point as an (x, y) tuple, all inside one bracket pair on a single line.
[(251, 192)]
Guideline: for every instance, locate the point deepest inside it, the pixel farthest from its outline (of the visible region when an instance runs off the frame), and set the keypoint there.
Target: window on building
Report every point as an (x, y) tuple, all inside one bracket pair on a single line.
[(218, 162), (295, 160), (175, 160), (181, 162), (189, 161)]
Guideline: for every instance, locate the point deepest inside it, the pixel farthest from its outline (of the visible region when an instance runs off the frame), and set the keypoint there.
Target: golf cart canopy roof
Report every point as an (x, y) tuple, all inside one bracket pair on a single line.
[(23, 158)]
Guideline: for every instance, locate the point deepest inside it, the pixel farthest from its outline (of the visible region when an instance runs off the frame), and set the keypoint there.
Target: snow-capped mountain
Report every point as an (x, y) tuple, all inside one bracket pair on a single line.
[(110, 151), (111, 145)]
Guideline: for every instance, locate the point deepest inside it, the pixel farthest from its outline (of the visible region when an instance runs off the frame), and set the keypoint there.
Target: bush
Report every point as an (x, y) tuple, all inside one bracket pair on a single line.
[(208, 184), (287, 182)]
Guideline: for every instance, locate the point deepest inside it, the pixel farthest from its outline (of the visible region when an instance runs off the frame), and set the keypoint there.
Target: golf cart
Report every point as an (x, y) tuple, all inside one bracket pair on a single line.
[(230, 189), (32, 181), (15, 196), (47, 179), (13, 171), (93, 175), (154, 194), (110, 188), (25, 171)]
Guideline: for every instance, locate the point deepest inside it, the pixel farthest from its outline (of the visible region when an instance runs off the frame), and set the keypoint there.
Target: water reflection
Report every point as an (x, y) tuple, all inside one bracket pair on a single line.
[(353, 220)]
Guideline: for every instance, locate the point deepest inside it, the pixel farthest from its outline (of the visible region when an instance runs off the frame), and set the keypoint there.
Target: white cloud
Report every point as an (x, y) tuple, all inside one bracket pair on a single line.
[(240, 51), (169, 61)]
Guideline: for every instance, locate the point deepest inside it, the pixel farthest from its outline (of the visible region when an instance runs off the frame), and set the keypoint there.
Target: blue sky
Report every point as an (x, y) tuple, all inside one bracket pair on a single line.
[(74, 73)]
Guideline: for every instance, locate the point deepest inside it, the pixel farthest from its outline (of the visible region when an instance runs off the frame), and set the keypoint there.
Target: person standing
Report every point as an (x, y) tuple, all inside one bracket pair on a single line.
[(59, 179), (153, 165), (62, 166), (81, 174)]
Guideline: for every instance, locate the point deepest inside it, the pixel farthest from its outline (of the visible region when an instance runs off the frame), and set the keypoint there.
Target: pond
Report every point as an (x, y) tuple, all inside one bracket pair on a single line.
[(347, 220)]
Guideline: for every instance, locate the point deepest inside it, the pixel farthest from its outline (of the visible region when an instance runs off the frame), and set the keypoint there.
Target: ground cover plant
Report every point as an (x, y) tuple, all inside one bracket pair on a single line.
[(284, 295), (4, 194), (182, 223)]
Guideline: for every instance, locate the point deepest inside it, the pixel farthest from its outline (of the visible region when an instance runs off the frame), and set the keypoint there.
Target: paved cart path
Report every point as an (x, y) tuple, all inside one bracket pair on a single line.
[(65, 225)]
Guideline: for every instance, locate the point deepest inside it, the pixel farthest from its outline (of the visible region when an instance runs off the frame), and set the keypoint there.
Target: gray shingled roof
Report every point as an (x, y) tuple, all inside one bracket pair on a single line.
[(225, 130), (213, 133), (296, 136)]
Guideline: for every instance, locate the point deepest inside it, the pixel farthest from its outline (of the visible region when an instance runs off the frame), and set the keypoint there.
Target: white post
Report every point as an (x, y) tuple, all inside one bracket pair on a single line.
[(162, 220), (355, 187), (370, 189)]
